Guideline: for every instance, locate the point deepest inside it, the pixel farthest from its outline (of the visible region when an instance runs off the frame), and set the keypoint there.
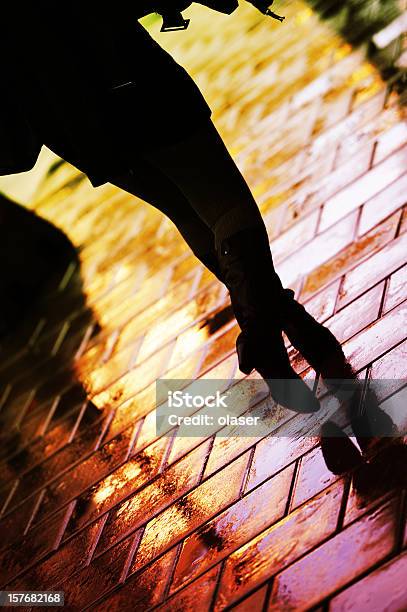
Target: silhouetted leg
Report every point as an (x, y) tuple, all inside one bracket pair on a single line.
[(203, 170), (151, 185)]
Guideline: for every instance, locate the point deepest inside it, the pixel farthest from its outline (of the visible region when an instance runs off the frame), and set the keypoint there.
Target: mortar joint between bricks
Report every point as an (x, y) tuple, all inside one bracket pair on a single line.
[(293, 483), (347, 480), (205, 462), (132, 552), (172, 570), (217, 585), (401, 525), (246, 475)]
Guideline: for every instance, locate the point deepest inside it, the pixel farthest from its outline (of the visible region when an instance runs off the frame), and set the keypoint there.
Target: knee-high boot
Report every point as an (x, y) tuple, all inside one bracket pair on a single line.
[(257, 297), (314, 341)]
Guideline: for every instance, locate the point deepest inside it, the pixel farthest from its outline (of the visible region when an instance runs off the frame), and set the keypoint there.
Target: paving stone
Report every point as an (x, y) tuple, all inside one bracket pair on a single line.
[(234, 527), (172, 484), (396, 289), (350, 256), (190, 512), (313, 476), (383, 588), (363, 189), (383, 204), (58, 566), (202, 591), (145, 589), (283, 543), (374, 269), (327, 568)]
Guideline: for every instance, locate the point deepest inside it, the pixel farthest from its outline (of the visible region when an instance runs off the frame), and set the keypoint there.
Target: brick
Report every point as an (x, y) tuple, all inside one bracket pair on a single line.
[(87, 473), (132, 410), (291, 240), (280, 449), (352, 123), (170, 327), (347, 259), (202, 591), (279, 546), (383, 589), (375, 481), (100, 576), (151, 291), (187, 369), (333, 110), (15, 524), (374, 269), (117, 366), (357, 315), (327, 569), (144, 589), (319, 250), (32, 454), (6, 493), (190, 511), (391, 31), (403, 222), (52, 468), (322, 305), (312, 478), (233, 528), (228, 447), (218, 349), (255, 601), (388, 376), (172, 484), (243, 396), (377, 339), (383, 204), (392, 365), (363, 189), (396, 289), (119, 484), (67, 560), (393, 406), (204, 332), (390, 141), (134, 381), (343, 175), (33, 546)]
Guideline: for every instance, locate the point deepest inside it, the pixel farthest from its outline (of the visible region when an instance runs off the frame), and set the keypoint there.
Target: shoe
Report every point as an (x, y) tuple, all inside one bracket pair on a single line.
[(257, 296), (316, 343)]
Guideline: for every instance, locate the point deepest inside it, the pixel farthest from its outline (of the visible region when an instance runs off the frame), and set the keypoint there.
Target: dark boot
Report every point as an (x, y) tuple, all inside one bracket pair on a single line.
[(210, 261), (257, 295), (316, 343)]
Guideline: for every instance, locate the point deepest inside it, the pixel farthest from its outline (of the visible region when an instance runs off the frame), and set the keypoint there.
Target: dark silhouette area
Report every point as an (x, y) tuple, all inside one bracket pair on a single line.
[(42, 294), (35, 255), (378, 466)]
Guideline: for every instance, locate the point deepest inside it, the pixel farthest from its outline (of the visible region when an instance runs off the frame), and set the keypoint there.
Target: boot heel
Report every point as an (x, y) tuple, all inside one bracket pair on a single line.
[(243, 354)]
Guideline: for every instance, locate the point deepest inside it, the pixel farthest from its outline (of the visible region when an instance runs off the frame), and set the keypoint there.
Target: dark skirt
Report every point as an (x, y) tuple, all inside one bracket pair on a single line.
[(103, 95)]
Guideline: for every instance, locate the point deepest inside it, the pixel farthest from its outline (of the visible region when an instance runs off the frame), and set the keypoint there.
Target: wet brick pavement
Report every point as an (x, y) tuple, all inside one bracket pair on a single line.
[(91, 502)]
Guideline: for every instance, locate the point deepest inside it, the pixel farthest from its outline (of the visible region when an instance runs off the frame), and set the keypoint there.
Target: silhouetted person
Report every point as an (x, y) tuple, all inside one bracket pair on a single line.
[(88, 81)]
